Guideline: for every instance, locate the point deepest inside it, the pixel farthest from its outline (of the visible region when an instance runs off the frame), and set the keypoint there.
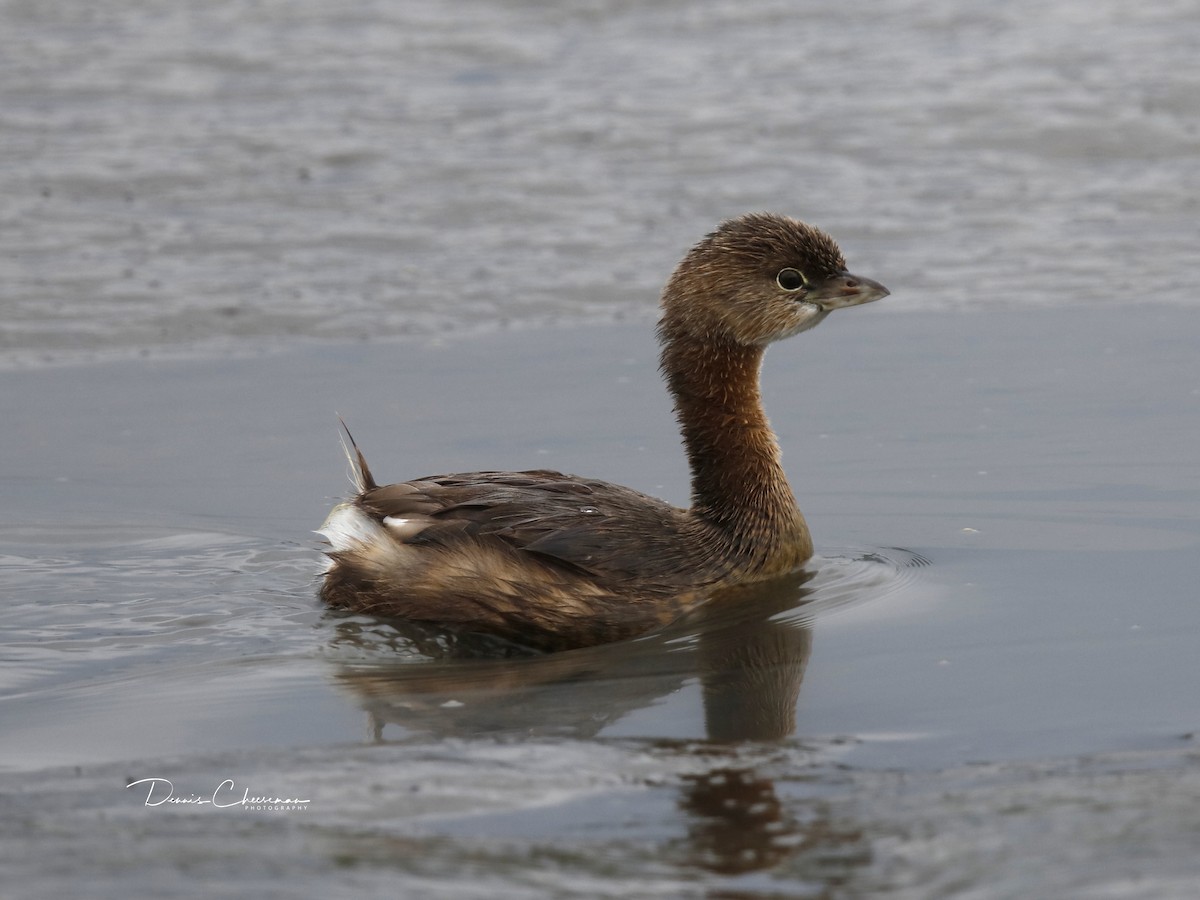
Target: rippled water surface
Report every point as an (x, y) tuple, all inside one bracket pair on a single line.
[(185, 175), (225, 222)]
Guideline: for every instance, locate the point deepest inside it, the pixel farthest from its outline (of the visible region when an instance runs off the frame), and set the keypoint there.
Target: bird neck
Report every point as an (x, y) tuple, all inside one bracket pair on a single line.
[(738, 483)]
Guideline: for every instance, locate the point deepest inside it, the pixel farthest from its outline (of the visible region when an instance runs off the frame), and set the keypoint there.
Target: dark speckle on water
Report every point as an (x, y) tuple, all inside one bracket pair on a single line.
[(190, 187)]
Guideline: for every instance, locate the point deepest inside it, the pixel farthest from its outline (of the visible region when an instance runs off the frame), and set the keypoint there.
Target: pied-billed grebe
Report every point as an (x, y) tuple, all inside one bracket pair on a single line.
[(554, 561)]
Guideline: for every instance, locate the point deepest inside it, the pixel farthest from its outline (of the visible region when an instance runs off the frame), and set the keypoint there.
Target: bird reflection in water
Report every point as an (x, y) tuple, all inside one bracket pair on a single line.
[(751, 670), (748, 646)]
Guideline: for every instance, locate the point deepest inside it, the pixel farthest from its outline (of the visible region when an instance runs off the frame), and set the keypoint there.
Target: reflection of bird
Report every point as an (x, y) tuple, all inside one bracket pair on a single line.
[(751, 667), (555, 561), (737, 823), (748, 662)]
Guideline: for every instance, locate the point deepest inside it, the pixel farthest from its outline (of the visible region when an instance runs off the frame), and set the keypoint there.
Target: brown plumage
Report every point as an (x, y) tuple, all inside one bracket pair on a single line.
[(554, 561)]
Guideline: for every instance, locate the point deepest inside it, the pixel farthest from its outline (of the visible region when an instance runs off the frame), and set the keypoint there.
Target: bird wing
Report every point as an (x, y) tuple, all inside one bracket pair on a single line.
[(591, 526)]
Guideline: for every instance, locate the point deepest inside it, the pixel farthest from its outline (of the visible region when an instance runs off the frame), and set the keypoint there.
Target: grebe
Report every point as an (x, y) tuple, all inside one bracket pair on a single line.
[(552, 561)]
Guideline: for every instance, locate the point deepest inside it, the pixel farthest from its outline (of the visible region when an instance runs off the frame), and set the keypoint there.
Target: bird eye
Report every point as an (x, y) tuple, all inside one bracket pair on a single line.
[(790, 280)]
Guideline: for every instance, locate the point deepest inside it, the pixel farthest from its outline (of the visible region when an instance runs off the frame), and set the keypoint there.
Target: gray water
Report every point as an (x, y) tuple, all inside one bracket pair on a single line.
[(223, 224)]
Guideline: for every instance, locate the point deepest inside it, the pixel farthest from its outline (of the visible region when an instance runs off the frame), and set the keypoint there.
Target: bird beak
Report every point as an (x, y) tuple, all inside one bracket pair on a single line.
[(845, 289)]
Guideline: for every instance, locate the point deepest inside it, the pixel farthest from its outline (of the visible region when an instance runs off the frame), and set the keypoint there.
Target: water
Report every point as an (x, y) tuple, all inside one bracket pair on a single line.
[(200, 176), (226, 223)]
